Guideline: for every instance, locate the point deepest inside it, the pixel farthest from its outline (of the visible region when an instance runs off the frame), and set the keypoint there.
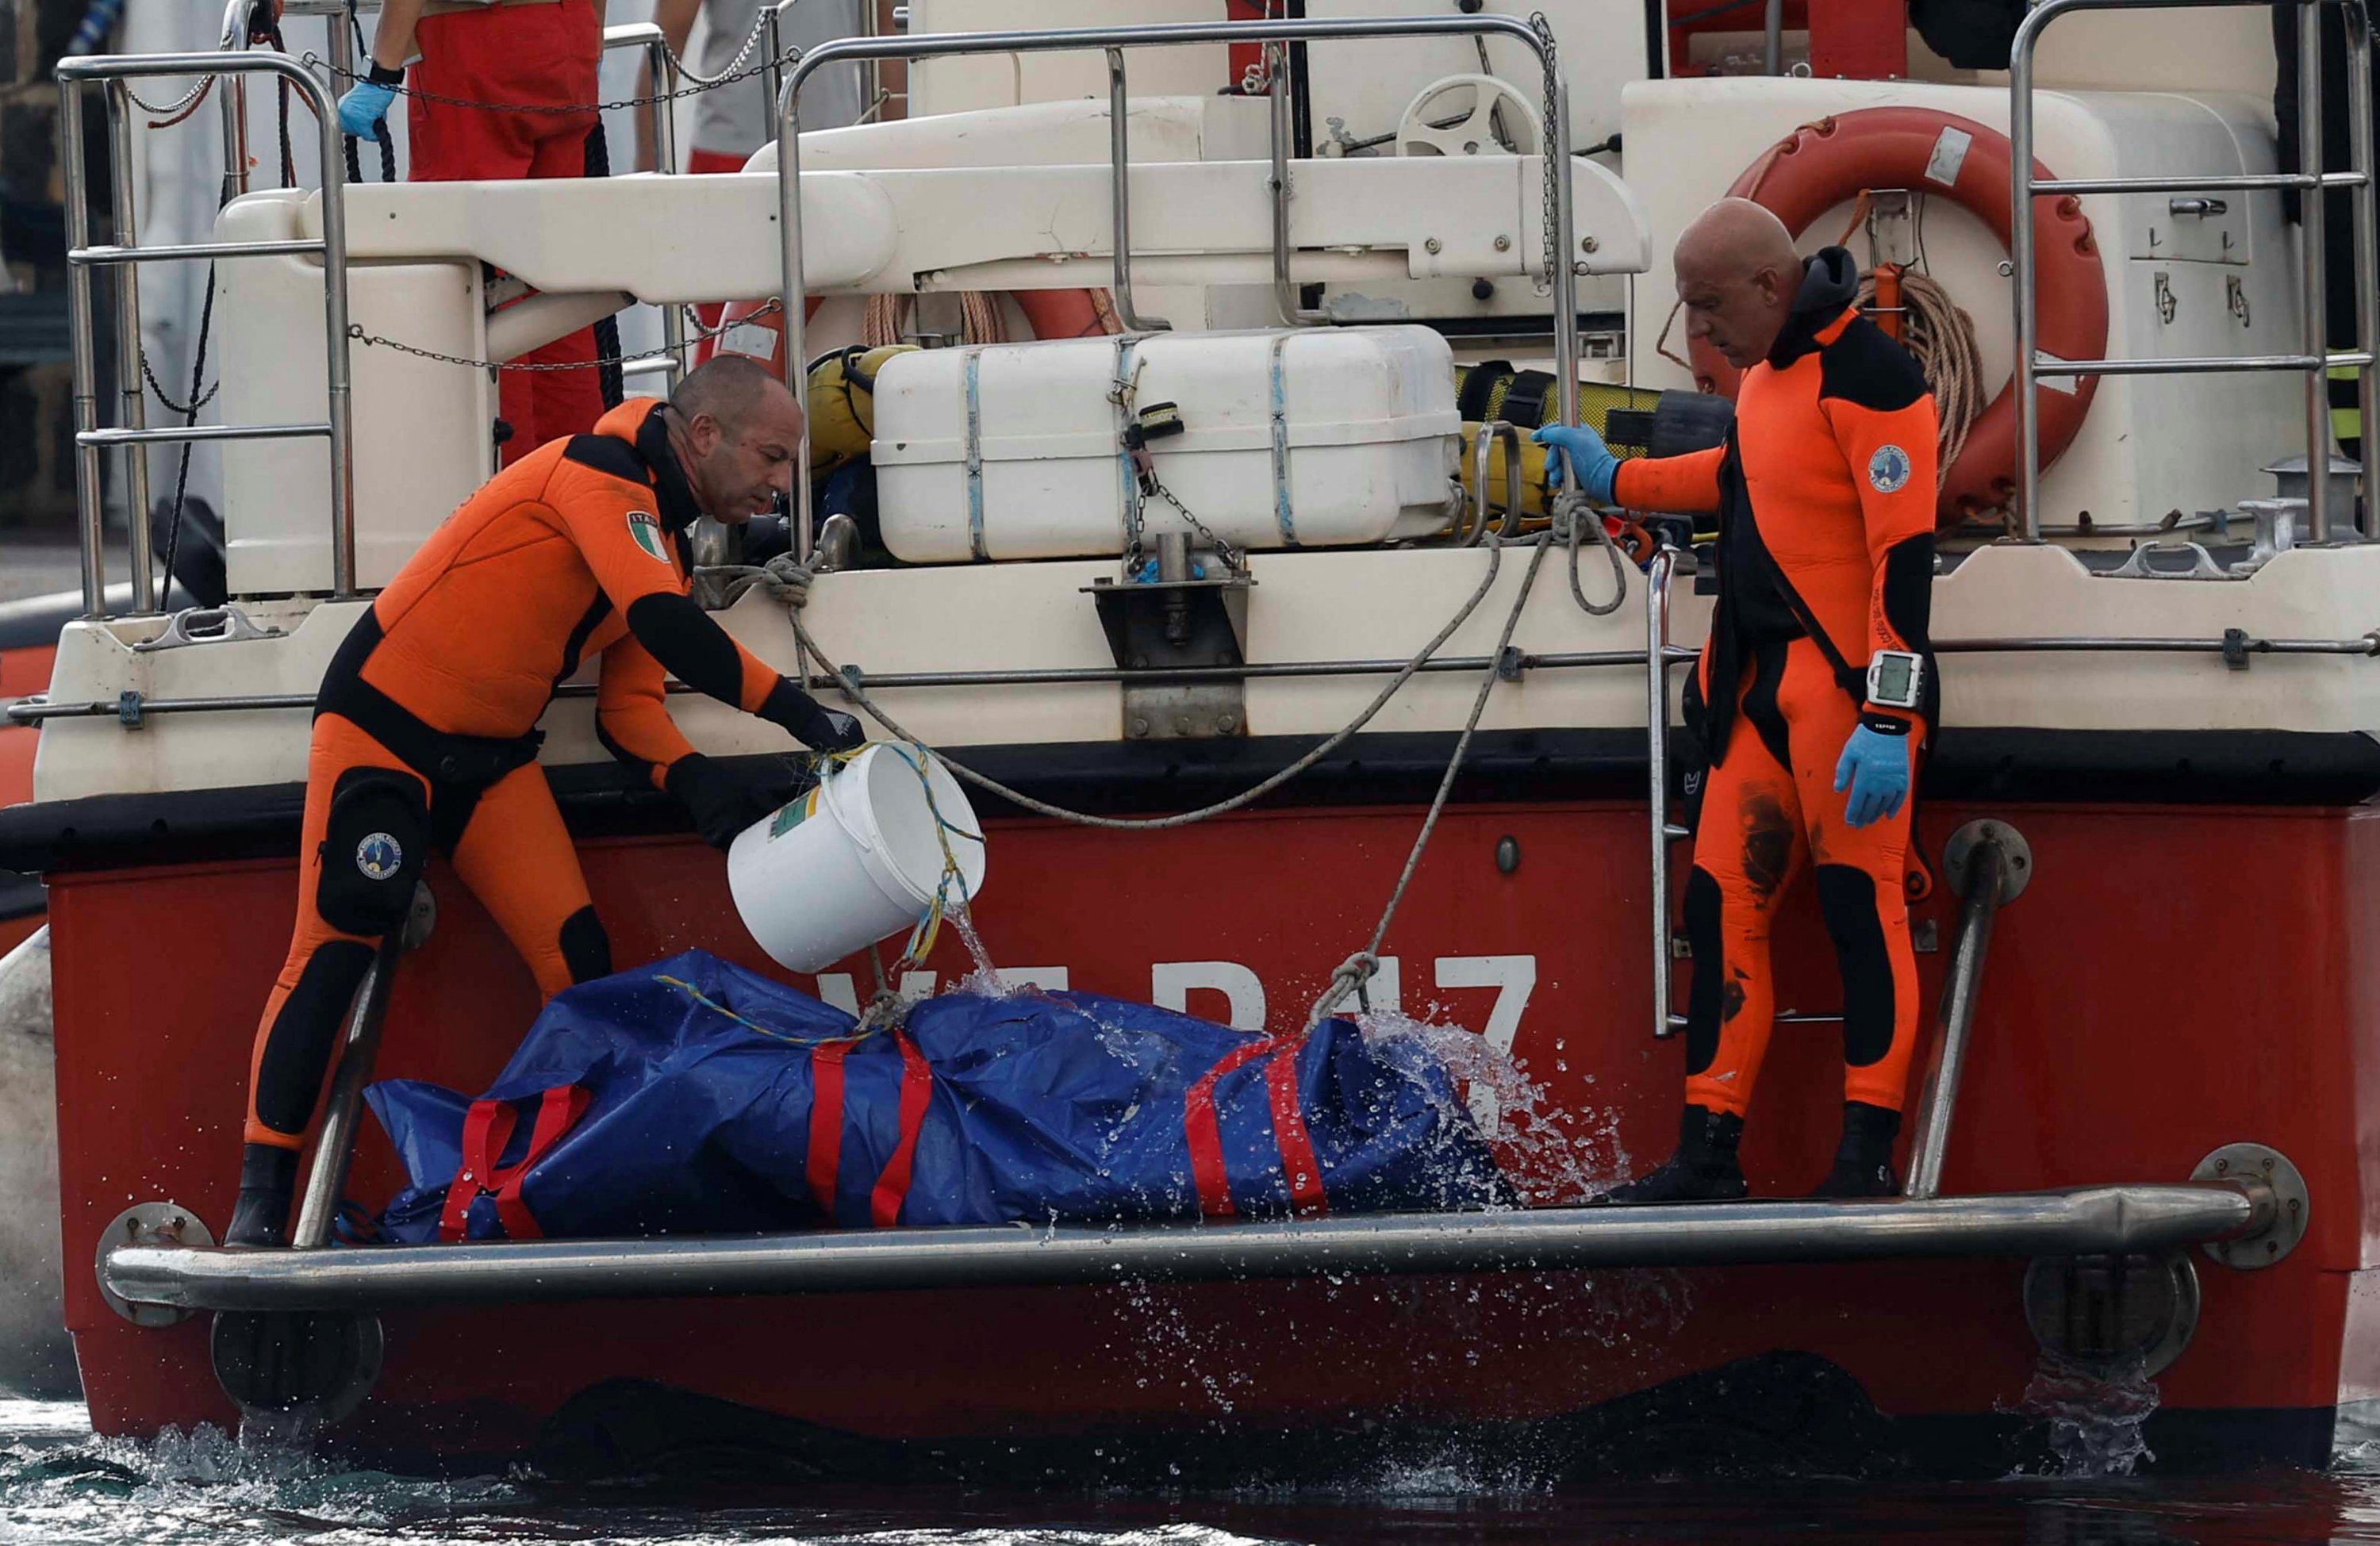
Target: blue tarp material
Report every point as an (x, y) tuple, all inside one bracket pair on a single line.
[(689, 1088)]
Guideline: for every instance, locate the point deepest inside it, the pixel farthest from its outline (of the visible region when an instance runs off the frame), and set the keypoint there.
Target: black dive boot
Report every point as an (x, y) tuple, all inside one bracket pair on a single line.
[(267, 1178), (1863, 1161), (1703, 1170)]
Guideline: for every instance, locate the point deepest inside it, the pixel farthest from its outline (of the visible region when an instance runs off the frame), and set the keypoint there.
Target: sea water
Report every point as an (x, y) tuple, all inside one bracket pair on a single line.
[(60, 1484)]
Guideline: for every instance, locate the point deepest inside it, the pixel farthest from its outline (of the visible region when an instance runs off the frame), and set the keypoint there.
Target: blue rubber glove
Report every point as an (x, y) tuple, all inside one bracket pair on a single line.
[(1598, 468), (1874, 768), (365, 108)]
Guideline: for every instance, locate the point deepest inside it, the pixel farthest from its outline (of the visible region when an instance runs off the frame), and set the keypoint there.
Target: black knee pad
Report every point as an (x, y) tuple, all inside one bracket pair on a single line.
[(373, 848), (585, 948), (1847, 898), (1710, 986), (297, 1051)]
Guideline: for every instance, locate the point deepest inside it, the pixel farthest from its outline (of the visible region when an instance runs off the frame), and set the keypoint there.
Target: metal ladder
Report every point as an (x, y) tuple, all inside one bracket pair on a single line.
[(234, 63), (2314, 358), (74, 77)]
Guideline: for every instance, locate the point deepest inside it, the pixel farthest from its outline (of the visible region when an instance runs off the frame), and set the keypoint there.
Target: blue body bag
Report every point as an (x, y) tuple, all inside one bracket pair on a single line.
[(694, 1096)]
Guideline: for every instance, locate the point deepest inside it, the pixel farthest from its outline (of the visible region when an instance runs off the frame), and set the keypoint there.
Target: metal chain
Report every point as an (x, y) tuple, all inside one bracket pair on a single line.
[(788, 57), (709, 82), (190, 409), (189, 100), (1544, 283), (699, 335), (1223, 549)]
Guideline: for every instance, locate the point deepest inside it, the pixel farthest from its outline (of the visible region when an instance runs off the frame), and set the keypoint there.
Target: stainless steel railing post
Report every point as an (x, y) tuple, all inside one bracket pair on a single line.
[(335, 364), (1566, 259), (791, 288), (1284, 291), (132, 399), (1989, 884), (1120, 199), (86, 369), (2364, 204), (772, 53), (2024, 276), (231, 103), (665, 87), (1656, 757), (2313, 300)]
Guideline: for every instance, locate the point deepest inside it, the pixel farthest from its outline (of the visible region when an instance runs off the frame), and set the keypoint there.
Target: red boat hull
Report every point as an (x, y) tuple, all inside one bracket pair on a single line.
[(2175, 978)]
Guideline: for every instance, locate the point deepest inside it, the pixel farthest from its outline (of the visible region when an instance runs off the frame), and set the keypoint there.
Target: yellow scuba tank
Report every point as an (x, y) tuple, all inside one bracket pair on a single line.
[(1496, 390), (843, 404)]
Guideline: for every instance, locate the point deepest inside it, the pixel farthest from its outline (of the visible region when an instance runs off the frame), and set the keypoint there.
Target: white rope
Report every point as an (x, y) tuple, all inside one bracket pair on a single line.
[(854, 687)]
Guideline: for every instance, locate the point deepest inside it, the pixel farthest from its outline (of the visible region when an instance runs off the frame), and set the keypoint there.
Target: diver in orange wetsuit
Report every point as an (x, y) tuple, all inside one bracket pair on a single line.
[(425, 728), (1816, 689)]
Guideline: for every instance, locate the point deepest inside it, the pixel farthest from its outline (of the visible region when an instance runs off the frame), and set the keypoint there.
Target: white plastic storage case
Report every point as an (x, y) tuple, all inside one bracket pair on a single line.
[(1308, 437)]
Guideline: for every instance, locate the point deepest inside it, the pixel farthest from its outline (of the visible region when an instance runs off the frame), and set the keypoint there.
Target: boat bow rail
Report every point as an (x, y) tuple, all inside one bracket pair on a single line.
[(147, 1271)]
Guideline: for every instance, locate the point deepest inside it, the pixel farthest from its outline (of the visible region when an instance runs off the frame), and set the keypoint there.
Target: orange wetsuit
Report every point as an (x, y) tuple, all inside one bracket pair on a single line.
[(1825, 495), (425, 728)]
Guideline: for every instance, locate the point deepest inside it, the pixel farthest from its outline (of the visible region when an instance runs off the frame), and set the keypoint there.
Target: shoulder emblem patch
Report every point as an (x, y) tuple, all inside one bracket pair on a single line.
[(1888, 469), (646, 528)]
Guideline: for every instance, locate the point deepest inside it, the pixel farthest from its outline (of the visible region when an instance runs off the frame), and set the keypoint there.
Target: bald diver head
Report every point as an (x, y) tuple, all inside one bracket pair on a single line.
[(734, 429)]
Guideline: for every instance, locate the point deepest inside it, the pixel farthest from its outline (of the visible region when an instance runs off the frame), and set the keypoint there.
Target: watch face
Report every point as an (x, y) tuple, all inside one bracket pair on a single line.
[(1894, 676)]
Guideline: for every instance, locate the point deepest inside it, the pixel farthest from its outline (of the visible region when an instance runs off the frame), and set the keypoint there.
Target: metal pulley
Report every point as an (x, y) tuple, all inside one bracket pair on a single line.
[(1500, 121)]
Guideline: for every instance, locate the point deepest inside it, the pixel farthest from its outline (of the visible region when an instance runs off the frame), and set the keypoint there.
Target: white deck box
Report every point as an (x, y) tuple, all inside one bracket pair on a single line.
[(1310, 437)]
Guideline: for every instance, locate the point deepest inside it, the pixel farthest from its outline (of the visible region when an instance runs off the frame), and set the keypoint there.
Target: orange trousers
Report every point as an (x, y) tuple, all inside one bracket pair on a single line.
[(1771, 810), (544, 60), (507, 844)]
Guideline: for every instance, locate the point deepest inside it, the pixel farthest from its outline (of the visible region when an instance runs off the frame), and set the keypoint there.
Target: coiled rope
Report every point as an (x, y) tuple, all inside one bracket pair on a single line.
[(1940, 336)]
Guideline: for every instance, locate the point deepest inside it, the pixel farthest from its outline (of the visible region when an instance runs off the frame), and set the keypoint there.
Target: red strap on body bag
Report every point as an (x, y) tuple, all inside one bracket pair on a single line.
[(487, 1127)]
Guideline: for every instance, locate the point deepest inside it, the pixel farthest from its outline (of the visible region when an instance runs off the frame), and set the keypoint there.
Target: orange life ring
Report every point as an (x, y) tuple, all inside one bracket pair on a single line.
[(1823, 165), (1052, 313)]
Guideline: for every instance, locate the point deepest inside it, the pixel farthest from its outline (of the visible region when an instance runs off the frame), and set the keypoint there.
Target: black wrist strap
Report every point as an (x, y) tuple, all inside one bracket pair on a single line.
[(381, 74)]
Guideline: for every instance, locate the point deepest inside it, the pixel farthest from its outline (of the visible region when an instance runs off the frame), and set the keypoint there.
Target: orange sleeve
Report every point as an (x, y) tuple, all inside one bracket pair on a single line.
[(1684, 485), (632, 715), (618, 530), (1892, 456)]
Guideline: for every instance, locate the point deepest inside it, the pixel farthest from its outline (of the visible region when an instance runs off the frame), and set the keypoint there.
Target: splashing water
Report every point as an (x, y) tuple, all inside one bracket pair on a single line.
[(2094, 1415), (1548, 1161)]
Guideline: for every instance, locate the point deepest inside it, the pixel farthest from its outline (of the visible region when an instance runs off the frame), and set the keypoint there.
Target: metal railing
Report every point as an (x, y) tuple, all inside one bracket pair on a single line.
[(35, 709), (124, 255), (2314, 357), (670, 363), (1112, 41)]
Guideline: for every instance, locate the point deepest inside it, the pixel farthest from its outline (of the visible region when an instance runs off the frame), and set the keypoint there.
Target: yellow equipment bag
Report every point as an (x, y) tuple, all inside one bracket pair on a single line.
[(843, 404)]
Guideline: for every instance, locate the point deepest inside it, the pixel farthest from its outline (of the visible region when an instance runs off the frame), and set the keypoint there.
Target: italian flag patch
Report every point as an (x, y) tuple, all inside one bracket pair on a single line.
[(645, 527)]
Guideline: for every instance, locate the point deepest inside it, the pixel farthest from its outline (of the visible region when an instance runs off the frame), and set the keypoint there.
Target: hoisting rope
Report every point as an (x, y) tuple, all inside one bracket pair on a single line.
[(1357, 971)]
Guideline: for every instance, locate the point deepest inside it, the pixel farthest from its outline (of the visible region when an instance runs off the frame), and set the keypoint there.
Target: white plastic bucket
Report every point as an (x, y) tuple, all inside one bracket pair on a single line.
[(856, 859)]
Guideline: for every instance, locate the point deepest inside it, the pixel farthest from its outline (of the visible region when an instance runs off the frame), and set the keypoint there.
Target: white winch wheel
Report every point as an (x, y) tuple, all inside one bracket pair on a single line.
[(1500, 120)]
